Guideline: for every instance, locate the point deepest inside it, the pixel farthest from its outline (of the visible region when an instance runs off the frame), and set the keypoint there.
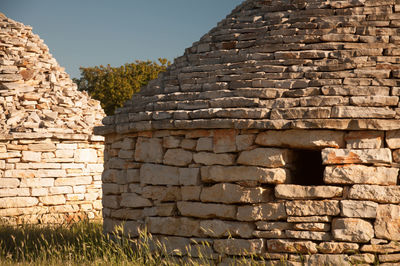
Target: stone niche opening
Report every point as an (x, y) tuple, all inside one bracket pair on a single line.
[(308, 169)]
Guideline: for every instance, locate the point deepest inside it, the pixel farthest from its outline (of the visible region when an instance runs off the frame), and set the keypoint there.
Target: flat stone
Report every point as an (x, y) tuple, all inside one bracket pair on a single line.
[(156, 174), (389, 258), (320, 236), (206, 210), (270, 234), (178, 157), (301, 139), (31, 156), (132, 200), (53, 200), (269, 226), (9, 182), (361, 112), (149, 150), (337, 247), (286, 191), (244, 142), (189, 176), (18, 202), (393, 246), (173, 226), (204, 144), (352, 230), (191, 193), (309, 208), (219, 229), (360, 174), (239, 247), (44, 147), (393, 139), (308, 219), (161, 193), (358, 208), (266, 157), (364, 140), (346, 156), (244, 173), (387, 222), (171, 142), (380, 194), (208, 158), (85, 156), (328, 259), (265, 211), (291, 246), (224, 140), (319, 227), (232, 193)]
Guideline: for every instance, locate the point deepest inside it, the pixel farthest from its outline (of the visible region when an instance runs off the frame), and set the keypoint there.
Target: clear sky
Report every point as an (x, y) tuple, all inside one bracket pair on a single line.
[(94, 32)]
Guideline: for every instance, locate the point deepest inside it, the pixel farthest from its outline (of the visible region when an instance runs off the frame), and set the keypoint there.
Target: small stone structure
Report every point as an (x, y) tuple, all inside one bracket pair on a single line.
[(277, 134), (50, 161)]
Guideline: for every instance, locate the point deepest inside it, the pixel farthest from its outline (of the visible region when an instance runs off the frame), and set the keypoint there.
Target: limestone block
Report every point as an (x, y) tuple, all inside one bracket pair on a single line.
[(45, 146), (389, 258), (239, 247), (14, 192), (320, 227), (65, 153), (393, 246), (244, 142), (204, 144), (191, 193), (381, 194), (270, 234), (132, 176), (36, 192), (301, 139), (360, 174), (208, 158), (206, 210), (232, 193), (265, 211), (111, 201), (31, 156), (352, 230), (149, 150), (361, 112), (364, 140), (291, 246), (109, 189), (286, 191), (66, 146), (162, 193), (358, 208), (161, 209), (329, 259), (178, 157), (126, 154), (268, 226), (189, 176), (346, 156), (18, 202), (337, 247), (173, 226), (73, 181), (61, 190), (244, 173), (37, 182), (267, 157), (155, 174), (387, 222), (219, 229), (133, 200), (85, 156), (53, 200), (127, 214), (171, 142), (393, 139), (188, 144), (320, 236), (9, 182), (309, 208), (20, 173), (224, 140)]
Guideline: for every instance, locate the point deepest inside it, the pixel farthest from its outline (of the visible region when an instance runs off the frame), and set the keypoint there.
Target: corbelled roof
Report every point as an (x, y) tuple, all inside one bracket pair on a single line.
[(36, 94), (279, 64)]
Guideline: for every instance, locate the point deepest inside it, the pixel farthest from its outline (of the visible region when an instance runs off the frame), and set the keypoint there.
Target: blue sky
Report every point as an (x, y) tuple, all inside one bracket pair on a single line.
[(94, 32)]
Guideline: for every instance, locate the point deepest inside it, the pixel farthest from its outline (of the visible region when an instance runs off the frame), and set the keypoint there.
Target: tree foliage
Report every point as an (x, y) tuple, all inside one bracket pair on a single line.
[(112, 86)]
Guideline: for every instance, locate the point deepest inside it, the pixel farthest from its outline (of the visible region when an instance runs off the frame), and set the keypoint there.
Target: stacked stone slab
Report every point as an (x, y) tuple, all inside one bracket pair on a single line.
[(221, 148), (50, 161)]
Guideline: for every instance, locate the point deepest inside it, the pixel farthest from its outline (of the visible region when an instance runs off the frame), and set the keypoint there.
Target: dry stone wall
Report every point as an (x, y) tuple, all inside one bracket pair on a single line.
[(50, 161), (242, 192)]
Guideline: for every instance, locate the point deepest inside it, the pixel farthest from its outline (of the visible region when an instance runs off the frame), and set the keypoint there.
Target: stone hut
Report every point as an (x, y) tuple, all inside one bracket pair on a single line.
[(277, 134), (50, 161)]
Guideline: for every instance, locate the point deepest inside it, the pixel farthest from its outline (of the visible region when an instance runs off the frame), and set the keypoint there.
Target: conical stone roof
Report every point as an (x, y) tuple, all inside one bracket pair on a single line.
[(280, 64), (36, 94)]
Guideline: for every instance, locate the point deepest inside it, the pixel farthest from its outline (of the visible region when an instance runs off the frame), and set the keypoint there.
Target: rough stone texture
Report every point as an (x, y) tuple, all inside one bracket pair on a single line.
[(50, 161), (291, 246), (358, 209), (309, 208), (149, 150), (307, 192), (352, 230), (345, 156), (387, 222), (380, 194), (239, 246), (266, 211), (265, 157)]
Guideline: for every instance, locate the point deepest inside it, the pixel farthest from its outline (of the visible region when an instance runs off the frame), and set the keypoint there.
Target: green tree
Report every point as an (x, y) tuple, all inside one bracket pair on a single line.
[(112, 86)]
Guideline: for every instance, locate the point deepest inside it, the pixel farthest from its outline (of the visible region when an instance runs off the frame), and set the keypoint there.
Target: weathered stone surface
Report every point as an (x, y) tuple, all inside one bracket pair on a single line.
[(308, 219), (18, 202), (291, 246), (208, 158), (268, 226), (132, 200), (191, 193), (178, 157), (301, 139), (266, 157), (337, 247), (149, 150), (265, 211), (307, 192), (244, 142), (328, 259), (218, 228), (206, 210), (389, 258), (53, 200), (204, 144), (308, 208), (352, 230), (270, 234), (173, 226), (156, 174), (360, 174), (239, 246), (45, 146), (161, 193), (321, 236), (85, 156), (224, 140), (345, 156), (31, 156), (171, 142), (361, 112), (232, 193), (387, 223), (358, 209), (392, 247), (364, 140), (244, 173), (320, 227), (393, 139), (381, 194), (189, 176)]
